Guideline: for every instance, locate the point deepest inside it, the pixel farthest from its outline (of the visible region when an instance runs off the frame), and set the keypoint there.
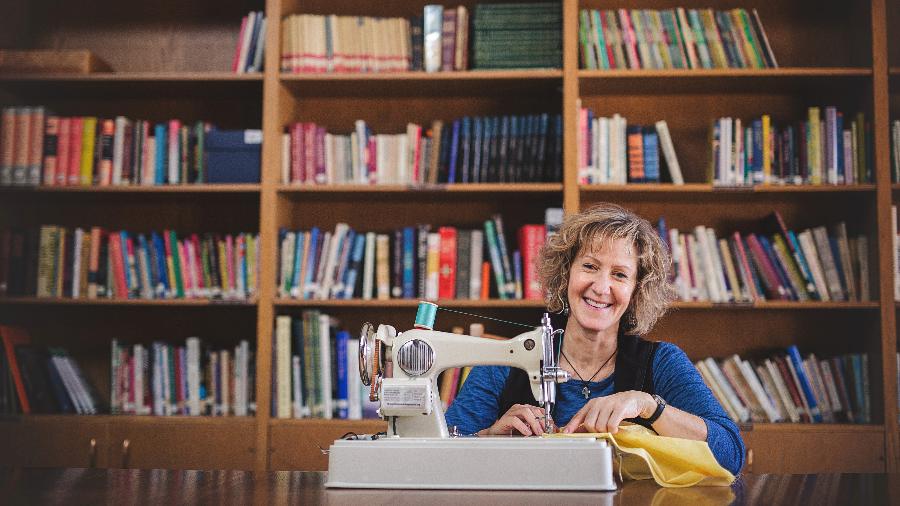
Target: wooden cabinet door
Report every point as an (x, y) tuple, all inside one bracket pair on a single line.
[(820, 449), (295, 445), (182, 443), (54, 441)]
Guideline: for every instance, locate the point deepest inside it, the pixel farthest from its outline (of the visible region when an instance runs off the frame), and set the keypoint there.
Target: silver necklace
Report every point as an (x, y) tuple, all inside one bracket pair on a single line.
[(585, 391)]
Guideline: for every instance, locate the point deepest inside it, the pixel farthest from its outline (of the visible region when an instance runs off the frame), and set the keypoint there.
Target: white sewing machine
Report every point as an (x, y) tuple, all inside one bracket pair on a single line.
[(419, 451)]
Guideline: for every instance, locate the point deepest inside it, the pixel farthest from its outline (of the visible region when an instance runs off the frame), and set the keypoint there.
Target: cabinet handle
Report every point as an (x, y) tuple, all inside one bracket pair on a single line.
[(92, 454), (126, 444), (748, 463)]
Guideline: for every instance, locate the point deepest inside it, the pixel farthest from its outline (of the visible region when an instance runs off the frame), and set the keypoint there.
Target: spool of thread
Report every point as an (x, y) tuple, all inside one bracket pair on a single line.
[(425, 315)]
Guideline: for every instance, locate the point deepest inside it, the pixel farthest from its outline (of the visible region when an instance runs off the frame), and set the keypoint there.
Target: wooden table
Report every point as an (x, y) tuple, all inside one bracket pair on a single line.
[(170, 488)]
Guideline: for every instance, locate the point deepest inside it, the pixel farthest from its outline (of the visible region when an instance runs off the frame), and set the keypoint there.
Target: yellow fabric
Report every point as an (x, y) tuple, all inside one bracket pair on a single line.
[(670, 461)]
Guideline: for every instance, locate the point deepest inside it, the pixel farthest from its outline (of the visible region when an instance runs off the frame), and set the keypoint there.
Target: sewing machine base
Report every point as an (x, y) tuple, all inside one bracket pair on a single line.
[(477, 463)]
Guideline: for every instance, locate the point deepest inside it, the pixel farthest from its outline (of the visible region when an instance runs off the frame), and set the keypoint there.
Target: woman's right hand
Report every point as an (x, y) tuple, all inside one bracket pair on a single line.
[(521, 418)]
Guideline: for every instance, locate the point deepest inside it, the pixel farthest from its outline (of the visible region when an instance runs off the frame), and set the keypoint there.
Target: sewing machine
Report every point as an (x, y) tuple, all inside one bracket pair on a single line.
[(420, 452)]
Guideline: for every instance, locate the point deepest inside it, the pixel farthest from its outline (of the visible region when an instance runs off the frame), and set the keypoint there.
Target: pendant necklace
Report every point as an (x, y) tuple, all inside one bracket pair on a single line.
[(585, 391)]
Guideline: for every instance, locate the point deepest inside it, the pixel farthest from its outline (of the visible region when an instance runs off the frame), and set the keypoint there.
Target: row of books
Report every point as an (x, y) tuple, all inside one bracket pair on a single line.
[(789, 388), (192, 379), (517, 35), (250, 49), (40, 148), (315, 370), (895, 242), (813, 265), (610, 151), (420, 261), (673, 39), (505, 149), (833, 149), (37, 379), (95, 263)]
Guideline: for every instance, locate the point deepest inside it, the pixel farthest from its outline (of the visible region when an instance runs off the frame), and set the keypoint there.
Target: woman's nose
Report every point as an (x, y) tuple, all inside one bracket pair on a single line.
[(601, 285)]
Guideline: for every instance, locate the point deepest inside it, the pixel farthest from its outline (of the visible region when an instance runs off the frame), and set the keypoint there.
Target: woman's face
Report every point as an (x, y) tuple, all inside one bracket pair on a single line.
[(601, 281)]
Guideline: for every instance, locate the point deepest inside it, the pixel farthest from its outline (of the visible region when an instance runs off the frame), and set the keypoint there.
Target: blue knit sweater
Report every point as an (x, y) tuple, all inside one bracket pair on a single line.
[(674, 378)]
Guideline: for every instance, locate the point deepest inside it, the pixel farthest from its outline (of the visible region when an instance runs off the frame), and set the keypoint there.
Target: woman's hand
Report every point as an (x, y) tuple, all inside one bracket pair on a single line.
[(604, 414), (521, 418)]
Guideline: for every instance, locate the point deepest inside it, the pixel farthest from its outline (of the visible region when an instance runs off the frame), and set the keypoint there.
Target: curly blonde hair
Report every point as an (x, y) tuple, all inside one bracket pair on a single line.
[(653, 292)]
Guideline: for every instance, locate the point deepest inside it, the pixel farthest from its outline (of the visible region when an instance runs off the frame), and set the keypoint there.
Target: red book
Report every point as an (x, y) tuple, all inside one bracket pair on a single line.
[(309, 152), (531, 240), (120, 287), (76, 129), (485, 280), (62, 151), (12, 337), (198, 263), (447, 263), (448, 39), (744, 265), (235, 60), (297, 174), (788, 380), (766, 269)]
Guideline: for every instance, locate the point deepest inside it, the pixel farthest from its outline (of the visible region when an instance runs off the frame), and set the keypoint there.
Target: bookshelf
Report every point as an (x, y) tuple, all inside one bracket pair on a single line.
[(168, 62)]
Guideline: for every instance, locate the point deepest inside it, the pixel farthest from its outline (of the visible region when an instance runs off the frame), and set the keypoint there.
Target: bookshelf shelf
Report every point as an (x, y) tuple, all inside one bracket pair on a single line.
[(46, 301), (777, 305), (457, 188), (194, 188), (133, 77), (468, 83), (813, 428), (782, 72), (709, 188), (409, 303)]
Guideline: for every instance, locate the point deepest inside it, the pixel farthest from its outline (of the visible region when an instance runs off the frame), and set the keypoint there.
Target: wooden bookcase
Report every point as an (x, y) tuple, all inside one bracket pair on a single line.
[(169, 58)]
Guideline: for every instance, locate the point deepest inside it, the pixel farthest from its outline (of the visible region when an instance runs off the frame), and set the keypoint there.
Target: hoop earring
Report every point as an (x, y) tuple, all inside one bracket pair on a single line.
[(630, 320), (565, 309)]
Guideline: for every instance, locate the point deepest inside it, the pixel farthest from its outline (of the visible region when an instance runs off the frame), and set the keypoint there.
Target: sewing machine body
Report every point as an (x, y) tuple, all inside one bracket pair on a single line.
[(418, 450)]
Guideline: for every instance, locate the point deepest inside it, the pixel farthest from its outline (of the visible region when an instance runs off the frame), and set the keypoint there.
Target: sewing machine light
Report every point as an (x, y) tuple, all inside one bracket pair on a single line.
[(415, 357)]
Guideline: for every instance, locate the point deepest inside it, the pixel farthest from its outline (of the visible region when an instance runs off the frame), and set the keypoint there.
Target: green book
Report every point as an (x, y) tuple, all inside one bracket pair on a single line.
[(176, 261)]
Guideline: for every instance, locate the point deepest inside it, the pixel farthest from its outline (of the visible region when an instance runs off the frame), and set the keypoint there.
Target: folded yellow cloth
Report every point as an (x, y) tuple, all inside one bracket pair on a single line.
[(670, 461)]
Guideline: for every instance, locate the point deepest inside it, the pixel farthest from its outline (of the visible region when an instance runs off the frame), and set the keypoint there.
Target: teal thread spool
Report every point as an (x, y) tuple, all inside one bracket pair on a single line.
[(425, 315)]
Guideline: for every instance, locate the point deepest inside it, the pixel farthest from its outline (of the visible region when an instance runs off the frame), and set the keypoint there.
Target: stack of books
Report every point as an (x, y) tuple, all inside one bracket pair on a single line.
[(518, 35), (788, 388), (36, 379), (189, 380), (821, 149), (421, 261), (673, 39), (813, 265), (249, 53), (486, 149)]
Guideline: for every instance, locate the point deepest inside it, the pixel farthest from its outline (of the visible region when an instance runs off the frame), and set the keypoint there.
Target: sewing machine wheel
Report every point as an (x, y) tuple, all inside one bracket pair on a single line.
[(367, 343)]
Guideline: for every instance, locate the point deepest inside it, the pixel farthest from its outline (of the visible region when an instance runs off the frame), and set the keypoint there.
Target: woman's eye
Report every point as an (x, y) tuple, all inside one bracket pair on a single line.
[(590, 266), (621, 275)]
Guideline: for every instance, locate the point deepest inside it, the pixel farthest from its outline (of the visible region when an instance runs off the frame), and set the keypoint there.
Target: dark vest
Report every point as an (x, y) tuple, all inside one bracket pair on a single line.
[(634, 371)]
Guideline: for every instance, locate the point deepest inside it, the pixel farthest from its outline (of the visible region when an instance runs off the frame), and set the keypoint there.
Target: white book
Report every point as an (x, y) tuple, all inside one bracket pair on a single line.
[(718, 266), (354, 397), (896, 252), (245, 42), (332, 260), (431, 31), (156, 377), (78, 241), (742, 410), (257, 57), (402, 159), (815, 380), (321, 264), (706, 265), (756, 387), (244, 366), (68, 383), (283, 365), (369, 267), (603, 150), (717, 390), (807, 245), (327, 408), (168, 405), (288, 245), (695, 257), (668, 149), (787, 401), (768, 384), (476, 257), (225, 382), (118, 154), (193, 375)]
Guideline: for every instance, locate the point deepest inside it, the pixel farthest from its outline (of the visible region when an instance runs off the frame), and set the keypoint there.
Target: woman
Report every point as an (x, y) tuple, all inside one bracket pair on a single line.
[(607, 271)]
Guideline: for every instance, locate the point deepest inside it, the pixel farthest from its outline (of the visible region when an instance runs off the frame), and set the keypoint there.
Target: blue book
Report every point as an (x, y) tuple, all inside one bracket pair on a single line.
[(244, 65), (128, 281), (542, 141), (162, 280), (298, 265), (308, 290), (144, 251), (409, 260), (794, 356), (757, 152), (651, 155), (162, 153), (476, 149), (663, 232), (836, 254), (454, 152), (356, 258), (342, 400), (842, 174), (517, 273), (63, 401), (780, 270), (466, 144)]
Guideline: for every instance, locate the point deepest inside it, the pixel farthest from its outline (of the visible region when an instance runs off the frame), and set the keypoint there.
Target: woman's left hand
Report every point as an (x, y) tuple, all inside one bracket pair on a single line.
[(604, 414)]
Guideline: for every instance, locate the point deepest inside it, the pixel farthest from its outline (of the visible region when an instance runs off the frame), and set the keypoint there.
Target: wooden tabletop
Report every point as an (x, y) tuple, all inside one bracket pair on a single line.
[(169, 488)]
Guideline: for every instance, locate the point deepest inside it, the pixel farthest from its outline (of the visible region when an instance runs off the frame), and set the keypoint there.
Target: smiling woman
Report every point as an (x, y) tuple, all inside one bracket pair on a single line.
[(605, 274)]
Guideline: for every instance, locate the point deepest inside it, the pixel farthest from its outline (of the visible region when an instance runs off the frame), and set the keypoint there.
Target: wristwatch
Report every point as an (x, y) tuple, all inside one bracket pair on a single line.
[(660, 406)]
